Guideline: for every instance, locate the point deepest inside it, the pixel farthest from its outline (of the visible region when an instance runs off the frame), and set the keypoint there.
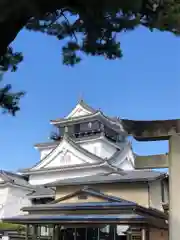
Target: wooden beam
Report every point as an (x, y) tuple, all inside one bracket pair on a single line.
[(151, 161)]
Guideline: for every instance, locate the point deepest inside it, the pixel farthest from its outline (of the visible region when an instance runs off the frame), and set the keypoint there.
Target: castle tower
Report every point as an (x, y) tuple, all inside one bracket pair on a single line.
[(86, 143)]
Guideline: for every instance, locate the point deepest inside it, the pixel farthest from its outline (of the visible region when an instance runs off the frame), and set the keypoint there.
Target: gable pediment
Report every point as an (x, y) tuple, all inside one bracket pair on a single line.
[(86, 194), (67, 153), (78, 111)]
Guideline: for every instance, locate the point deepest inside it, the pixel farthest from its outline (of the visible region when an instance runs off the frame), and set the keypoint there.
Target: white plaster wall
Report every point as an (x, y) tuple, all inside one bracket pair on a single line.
[(93, 147), (62, 148), (78, 111), (107, 150), (16, 198), (43, 178), (99, 147), (65, 159), (3, 198), (1, 180), (44, 152), (126, 165)]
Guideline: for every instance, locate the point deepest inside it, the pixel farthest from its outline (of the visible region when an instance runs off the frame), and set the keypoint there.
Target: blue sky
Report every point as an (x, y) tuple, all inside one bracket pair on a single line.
[(145, 84)]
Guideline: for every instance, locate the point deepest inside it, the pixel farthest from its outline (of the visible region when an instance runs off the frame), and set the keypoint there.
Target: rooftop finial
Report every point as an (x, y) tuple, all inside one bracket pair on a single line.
[(80, 97)]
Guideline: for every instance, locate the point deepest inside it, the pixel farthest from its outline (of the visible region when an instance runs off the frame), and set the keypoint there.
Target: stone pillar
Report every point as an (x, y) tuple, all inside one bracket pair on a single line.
[(54, 232), (143, 234), (174, 187), (75, 234), (34, 235), (27, 232)]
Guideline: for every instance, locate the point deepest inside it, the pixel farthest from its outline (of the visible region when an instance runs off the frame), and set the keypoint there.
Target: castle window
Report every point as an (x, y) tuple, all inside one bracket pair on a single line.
[(77, 128), (66, 159)]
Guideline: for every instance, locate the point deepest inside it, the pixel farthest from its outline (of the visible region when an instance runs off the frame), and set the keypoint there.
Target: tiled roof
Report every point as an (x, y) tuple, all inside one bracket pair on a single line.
[(40, 191), (13, 178), (19, 180), (61, 218), (74, 145), (128, 176)]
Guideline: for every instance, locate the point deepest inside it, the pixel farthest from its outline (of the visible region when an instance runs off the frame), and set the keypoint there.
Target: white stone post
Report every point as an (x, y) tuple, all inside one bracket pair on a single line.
[(174, 187), (143, 234)]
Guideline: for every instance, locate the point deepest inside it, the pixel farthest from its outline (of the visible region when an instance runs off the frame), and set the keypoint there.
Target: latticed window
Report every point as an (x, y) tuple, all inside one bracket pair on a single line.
[(66, 159)]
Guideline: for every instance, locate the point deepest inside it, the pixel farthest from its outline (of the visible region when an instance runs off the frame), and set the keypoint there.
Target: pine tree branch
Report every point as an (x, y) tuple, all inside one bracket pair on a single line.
[(96, 22)]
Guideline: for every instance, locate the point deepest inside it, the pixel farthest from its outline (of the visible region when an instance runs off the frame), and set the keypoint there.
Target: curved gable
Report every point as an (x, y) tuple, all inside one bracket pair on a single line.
[(81, 109), (67, 153)]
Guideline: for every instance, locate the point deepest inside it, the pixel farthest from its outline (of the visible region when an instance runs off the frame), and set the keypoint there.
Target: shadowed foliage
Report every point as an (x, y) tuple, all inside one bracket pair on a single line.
[(88, 27), (12, 227)]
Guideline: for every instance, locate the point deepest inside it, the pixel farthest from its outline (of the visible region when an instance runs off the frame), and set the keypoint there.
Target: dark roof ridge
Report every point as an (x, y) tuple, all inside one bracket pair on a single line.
[(86, 106), (112, 121), (41, 190), (75, 118), (14, 179)]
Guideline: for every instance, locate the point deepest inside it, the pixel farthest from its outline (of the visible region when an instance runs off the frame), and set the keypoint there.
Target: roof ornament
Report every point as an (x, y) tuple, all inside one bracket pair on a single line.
[(80, 98)]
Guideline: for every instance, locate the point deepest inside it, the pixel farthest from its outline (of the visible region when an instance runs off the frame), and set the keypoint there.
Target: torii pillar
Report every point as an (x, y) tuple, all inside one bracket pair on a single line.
[(163, 130), (174, 187)]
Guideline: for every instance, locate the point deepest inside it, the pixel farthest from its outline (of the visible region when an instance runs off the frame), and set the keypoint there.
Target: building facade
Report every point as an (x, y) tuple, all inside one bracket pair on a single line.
[(14, 189), (86, 184)]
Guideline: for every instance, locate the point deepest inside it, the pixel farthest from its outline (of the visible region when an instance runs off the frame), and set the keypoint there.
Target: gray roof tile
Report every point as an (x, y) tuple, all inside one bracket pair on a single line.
[(40, 191), (129, 176), (19, 180), (14, 178)]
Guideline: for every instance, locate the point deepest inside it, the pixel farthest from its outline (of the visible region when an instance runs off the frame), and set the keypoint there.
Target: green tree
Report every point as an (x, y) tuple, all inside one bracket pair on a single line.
[(90, 27), (9, 101)]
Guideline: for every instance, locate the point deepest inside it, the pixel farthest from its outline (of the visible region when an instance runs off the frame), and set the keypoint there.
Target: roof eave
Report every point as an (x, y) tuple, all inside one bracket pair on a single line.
[(44, 207), (41, 196), (30, 172), (135, 180), (66, 121), (46, 145)]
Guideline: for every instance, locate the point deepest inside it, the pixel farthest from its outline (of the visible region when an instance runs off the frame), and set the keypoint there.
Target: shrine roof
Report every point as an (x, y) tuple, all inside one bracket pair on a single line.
[(126, 211), (92, 192), (128, 176), (80, 206), (73, 218)]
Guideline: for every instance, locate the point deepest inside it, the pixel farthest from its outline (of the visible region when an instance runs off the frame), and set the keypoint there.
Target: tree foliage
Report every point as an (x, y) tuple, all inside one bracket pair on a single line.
[(9, 101), (88, 27)]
